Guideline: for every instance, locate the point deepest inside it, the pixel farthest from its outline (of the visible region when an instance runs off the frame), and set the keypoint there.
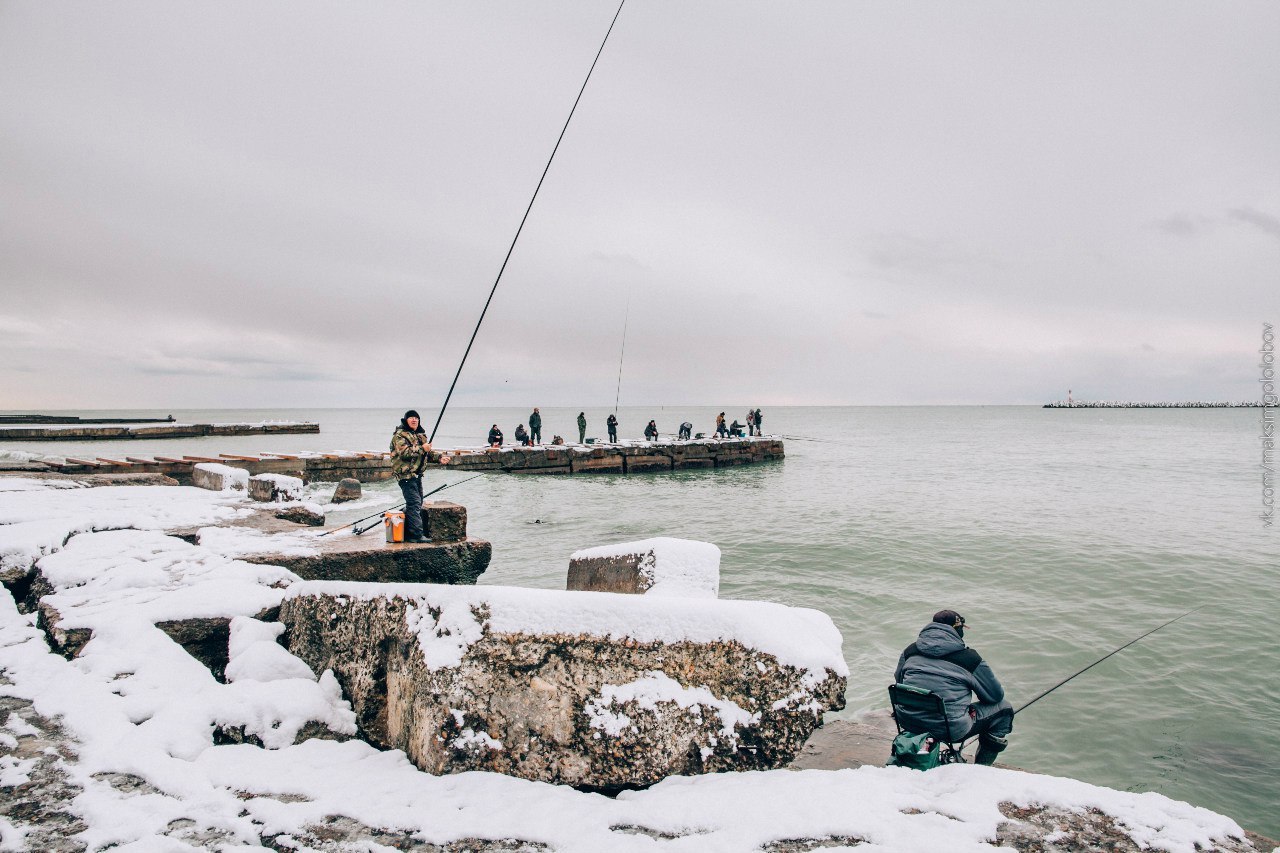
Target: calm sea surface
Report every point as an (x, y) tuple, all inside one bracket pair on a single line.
[(1060, 535)]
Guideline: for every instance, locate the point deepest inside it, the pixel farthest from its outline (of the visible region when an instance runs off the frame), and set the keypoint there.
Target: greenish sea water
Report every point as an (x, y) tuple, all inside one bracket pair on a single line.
[(1059, 534)]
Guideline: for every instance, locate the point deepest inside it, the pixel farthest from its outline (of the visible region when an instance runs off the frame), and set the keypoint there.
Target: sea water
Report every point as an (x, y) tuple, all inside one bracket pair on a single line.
[(1059, 534)]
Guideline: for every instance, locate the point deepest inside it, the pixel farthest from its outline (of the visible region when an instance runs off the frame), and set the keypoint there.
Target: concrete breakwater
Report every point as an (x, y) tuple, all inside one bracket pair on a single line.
[(76, 419), (77, 432), (372, 466), (1120, 404), (615, 458)]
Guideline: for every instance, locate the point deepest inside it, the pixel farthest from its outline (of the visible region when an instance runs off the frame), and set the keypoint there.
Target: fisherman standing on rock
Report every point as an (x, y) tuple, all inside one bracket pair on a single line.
[(409, 449), (940, 662)]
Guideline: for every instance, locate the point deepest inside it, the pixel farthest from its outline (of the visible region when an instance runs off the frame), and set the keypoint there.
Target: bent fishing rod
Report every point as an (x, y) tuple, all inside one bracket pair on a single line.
[(379, 513), (1045, 693), (523, 219)]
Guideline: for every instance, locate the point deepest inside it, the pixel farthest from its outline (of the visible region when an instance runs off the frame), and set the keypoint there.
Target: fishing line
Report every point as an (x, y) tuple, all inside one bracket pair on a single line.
[(510, 249), (625, 319)]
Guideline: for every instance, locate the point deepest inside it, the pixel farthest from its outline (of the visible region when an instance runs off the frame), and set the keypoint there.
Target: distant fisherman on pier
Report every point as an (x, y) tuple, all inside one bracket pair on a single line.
[(535, 426)]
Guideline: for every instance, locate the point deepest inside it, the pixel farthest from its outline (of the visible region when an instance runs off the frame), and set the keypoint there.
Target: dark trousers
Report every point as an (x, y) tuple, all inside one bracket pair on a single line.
[(993, 718), (613, 435), (412, 491), (535, 435)]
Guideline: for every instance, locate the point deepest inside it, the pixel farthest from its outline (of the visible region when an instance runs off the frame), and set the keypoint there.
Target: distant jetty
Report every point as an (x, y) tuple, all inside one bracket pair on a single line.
[(76, 432), (1121, 404), (74, 419)]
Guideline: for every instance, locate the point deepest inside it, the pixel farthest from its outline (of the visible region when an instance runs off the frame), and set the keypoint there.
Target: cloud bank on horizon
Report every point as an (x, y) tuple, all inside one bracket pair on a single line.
[(305, 205)]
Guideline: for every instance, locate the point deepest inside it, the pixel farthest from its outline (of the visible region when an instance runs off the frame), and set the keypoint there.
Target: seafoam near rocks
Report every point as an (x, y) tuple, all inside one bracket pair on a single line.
[(580, 688), (659, 566)]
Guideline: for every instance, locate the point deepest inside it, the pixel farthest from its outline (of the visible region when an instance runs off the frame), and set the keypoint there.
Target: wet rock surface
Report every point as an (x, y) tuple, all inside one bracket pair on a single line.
[(370, 558), (565, 708), (347, 490)]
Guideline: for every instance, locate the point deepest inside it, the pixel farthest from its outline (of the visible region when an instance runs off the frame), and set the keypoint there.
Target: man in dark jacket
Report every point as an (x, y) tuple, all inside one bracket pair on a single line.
[(535, 426), (582, 427), (940, 662), (522, 436), (612, 424), (495, 436), (409, 449)]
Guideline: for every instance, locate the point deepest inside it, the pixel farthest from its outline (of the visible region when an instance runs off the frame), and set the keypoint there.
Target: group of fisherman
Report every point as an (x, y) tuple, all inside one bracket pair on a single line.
[(533, 434), (938, 661)]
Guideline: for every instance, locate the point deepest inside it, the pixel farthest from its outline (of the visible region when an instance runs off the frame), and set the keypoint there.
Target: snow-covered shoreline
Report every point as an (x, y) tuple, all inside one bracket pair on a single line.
[(135, 706)]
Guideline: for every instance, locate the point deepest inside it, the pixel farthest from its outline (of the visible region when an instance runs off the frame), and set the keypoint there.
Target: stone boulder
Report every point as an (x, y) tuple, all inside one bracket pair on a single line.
[(348, 490), (273, 488), (309, 514), (586, 689), (660, 566), (218, 478)]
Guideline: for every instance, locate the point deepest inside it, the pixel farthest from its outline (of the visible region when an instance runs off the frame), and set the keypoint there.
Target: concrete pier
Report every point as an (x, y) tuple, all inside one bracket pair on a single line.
[(372, 466)]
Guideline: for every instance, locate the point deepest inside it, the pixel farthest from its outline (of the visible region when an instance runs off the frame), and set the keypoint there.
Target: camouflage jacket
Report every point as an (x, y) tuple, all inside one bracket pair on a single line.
[(408, 453)]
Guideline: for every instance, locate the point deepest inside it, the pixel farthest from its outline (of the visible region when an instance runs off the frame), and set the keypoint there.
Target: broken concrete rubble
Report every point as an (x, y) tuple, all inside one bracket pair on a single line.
[(447, 674)]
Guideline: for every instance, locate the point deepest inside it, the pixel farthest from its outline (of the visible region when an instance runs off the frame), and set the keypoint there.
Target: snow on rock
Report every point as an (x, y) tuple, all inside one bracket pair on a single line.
[(38, 516), (275, 487), (660, 566), (131, 744), (219, 478), (254, 654), (580, 688)]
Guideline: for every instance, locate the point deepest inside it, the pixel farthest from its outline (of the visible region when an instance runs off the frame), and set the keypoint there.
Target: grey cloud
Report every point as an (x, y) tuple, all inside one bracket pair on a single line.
[(239, 211), (1264, 222), (1180, 225)]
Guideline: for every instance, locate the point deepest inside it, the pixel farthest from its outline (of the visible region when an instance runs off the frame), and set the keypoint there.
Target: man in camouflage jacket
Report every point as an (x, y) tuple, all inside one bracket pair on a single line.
[(409, 448)]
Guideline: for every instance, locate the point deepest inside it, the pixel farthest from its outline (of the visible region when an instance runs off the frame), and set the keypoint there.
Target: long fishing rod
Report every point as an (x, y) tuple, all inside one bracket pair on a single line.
[(512, 247), (1045, 693), (626, 318), (379, 513)]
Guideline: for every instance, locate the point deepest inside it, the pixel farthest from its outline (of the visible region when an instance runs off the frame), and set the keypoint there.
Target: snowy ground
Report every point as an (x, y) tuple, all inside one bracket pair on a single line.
[(116, 748)]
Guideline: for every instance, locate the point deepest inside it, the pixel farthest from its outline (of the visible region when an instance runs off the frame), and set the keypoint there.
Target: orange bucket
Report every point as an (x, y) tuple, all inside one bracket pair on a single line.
[(394, 522)]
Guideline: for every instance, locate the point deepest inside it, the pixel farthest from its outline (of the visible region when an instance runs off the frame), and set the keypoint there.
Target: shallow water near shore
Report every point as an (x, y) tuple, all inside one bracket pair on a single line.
[(1060, 534)]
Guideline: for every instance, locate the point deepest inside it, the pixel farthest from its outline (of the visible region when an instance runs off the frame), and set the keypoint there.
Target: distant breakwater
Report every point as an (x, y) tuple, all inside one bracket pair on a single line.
[(1112, 404), (105, 433)]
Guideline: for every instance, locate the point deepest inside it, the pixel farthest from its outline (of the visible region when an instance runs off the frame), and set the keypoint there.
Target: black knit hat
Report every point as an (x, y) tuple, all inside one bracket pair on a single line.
[(949, 617), (412, 414)]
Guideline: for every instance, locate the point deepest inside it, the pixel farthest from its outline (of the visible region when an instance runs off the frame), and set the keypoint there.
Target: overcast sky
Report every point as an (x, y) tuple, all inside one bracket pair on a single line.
[(305, 204)]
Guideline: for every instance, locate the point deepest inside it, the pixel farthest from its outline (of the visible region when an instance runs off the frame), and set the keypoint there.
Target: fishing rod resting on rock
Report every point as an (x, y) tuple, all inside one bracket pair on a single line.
[(379, 514)]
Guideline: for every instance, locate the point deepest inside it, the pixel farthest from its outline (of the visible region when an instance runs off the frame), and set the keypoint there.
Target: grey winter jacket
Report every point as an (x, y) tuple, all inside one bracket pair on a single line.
[(953, 682)]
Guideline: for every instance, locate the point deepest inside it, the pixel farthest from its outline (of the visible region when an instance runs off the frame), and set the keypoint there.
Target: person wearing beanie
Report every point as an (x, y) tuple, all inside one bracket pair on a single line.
[(940, 662), (409, 448)]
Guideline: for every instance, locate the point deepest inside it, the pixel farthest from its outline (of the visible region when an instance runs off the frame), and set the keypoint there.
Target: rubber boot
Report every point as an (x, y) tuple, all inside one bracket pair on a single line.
[(989, 746)]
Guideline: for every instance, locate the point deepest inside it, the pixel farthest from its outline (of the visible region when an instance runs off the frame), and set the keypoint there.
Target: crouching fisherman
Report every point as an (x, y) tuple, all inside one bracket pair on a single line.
[(409, 448), (940, 662)]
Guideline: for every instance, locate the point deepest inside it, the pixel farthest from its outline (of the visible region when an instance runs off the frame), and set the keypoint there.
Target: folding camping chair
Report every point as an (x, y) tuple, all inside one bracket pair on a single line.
[(916, 710)]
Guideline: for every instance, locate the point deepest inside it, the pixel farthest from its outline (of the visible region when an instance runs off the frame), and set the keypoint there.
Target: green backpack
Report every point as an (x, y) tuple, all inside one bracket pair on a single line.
[(919, 752)]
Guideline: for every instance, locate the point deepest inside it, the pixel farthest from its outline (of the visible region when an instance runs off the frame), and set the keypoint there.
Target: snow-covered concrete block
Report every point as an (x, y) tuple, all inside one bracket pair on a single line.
[(219, 478), (275, 487), (571, 688), (659, 566)]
